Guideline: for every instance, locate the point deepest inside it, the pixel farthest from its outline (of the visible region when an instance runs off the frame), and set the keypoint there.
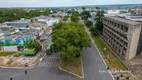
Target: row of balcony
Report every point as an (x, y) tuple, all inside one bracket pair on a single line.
[(115, 25), (115, 33), (115, 39), (121, 51)]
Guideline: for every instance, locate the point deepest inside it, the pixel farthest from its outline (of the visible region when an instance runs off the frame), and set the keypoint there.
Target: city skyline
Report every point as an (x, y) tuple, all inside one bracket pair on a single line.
[(63, 3)]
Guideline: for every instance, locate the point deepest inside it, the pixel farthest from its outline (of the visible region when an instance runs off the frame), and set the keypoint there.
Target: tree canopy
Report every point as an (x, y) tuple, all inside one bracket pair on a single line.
[(65, 18), (88, 23), (99, 24), (85, 15), (17, 14), (69, 39), (34, 44), (47, 12), (74, 18)]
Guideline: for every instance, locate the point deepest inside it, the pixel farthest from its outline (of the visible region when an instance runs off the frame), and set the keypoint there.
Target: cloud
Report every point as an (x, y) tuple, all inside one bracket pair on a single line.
[(51, 3)]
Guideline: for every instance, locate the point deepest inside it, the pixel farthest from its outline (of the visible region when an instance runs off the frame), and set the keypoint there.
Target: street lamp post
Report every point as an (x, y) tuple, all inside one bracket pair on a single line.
[(25, 72), (11, 78)]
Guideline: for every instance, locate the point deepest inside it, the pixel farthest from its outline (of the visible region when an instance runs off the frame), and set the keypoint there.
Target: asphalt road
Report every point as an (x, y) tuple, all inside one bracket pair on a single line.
[(47, 70), (94, 67)]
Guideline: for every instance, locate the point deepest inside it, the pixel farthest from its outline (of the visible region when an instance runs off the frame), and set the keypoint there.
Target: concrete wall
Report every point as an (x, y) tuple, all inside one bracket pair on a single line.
[(10, 48), (134, 42), (122, 38)]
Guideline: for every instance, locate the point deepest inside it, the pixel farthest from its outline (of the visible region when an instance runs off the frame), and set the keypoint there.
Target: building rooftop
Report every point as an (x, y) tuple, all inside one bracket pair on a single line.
[(19, 35), (130, 22)]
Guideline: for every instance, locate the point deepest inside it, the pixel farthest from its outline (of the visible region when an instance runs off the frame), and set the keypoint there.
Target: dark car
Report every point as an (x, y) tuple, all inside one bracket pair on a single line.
[(42, 40)]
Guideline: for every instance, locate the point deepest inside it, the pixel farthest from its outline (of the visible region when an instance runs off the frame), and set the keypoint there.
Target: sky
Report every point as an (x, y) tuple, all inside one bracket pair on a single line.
[(62, 3)]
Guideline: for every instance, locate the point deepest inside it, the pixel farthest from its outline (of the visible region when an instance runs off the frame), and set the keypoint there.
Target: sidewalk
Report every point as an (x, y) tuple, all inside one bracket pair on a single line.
[(135, 66), (23, 62)]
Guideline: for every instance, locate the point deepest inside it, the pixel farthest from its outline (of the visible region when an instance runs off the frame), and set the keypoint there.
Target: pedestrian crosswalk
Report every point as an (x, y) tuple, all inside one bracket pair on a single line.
[(48, 64)]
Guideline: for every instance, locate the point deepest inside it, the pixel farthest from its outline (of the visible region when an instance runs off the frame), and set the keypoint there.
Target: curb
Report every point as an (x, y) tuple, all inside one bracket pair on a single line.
[(30, 67), (73, 73), (18, 67), (70, 72), (82, 67), (103, 60)]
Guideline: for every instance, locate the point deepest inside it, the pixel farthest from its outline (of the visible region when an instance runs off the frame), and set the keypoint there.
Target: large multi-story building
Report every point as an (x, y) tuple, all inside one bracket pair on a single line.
[(123, 36)]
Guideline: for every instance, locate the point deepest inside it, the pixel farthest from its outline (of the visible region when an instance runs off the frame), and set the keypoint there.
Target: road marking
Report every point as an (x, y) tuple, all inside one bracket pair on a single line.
[(40, 73), (38, 77), (17, 75), (48, 64), (44, 64)]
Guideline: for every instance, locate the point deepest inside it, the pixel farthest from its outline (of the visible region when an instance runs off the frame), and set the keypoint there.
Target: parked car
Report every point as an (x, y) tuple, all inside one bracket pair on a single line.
[(42, 40)]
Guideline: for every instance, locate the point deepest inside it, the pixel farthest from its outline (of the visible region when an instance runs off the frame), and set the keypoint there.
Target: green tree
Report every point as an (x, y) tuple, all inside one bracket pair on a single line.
[(17, 14), (69, 39), (70, 52), (47, 12), (74, 18), (99, 23), (1, 20), (69, 12), (94, 31), (97, 8), (85, 15), (75, 13), (83, 8), (65, 18), (88, 23), (34, 44)]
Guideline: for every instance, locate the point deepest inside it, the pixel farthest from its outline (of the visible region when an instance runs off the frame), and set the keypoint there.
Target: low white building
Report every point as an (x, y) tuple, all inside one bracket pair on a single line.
[(93, 17), (51, 22), (112, 13), (134, 18)]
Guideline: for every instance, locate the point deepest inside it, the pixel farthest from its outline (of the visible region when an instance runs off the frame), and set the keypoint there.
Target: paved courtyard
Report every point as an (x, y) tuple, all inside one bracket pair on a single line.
[(135, 66)]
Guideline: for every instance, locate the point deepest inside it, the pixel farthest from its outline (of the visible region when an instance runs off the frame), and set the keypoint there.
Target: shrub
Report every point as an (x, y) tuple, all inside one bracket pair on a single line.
[(6, 53), (10, 61), (34, 44), (17, 55)]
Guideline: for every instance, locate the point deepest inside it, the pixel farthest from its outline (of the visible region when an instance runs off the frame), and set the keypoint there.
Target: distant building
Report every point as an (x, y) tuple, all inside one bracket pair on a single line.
[(123, 36), (112, 13), (1, 35), (51, 22), (8, 29), (46, 20), (134, 18), (93, 14), (19, 24), (136, 12)]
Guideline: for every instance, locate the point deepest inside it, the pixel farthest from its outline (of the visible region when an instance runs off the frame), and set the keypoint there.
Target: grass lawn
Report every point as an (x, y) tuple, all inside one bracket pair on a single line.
[(74, 66), (109, 56), (7, 53)]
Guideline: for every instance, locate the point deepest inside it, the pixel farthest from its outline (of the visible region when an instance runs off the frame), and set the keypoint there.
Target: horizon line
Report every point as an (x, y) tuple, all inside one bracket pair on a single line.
[(68, 6)]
